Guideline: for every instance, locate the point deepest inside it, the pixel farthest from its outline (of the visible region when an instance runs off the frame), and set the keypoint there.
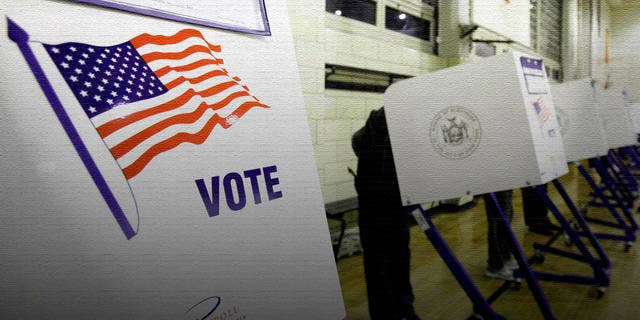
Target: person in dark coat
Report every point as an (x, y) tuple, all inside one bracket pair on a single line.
[(384, 224)]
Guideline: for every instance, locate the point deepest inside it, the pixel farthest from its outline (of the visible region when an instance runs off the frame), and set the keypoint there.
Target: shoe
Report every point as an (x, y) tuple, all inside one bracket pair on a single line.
[(512, 264), (543, 230), (504, 274)]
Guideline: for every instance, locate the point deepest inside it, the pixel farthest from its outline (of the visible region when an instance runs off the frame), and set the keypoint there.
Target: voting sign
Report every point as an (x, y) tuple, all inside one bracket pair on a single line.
[(583, 135), (475, 128), (153, 169), (616, 118)]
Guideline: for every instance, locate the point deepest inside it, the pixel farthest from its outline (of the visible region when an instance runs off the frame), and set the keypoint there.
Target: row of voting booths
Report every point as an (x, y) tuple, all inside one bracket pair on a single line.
[(497, 125)]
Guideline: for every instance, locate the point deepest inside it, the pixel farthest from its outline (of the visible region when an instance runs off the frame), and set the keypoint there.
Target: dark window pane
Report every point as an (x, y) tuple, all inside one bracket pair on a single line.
[(362, 10), (405, 23)]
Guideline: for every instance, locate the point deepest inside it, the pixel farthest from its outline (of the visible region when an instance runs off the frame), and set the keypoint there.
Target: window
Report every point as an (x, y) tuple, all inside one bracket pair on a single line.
[(402, 22), (356, 79), (361, 10), (546, 28)]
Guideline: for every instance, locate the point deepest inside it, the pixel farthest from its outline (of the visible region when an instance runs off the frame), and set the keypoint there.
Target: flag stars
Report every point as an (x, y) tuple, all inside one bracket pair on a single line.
[(110, 101), (99, 61), (68, 57), (105, 81), (152, 84), (119, 49), (73, 78), (125, 98), (55, 50), (134, 69), (101, 88), (91, 50), (125, 65), (92, 109), (112, 67), (96, 69), (150, 91), (128, 52), (81, 62), (73, 49), (84, 93), (126, 58), (129, 82), (137, 58), (104, 56), (91, 75), (138, 94), (140, 87), (78, 71), (117, 55), (117, 85), (107, 50), (128, 90), (65, 65), (97, 98), (121, 70), (114, 94), (107, 73), (114, 60), (133, 76), (120, 78), (87, 84), (86, 56)]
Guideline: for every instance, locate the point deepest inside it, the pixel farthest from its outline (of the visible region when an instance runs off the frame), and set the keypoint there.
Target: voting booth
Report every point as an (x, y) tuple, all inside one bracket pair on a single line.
[(580, 123), (634, 111), (617, 120), (475, 128), (157, 164)]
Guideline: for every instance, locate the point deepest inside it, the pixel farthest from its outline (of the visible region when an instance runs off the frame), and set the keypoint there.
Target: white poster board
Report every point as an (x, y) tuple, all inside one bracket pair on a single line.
[(616, 118), (207, 206), (580, 124), (475, 128)]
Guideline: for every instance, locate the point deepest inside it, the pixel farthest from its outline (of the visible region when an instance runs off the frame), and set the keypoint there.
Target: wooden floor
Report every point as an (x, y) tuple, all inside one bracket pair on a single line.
[(438, 295)]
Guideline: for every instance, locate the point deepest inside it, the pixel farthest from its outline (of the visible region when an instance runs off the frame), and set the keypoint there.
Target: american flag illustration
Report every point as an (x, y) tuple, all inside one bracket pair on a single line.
[(148, 95)]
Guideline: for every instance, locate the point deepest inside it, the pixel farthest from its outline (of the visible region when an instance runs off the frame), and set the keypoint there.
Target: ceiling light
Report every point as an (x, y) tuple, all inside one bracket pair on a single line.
[(402, 16), (338, 12)]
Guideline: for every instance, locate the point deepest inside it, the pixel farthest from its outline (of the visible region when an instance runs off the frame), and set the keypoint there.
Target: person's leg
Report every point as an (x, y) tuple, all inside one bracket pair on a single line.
[(536, 212), (499, 250), (401, 266)]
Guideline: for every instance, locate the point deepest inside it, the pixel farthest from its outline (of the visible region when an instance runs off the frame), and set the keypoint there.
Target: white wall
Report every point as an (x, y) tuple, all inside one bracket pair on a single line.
[(624, 65)]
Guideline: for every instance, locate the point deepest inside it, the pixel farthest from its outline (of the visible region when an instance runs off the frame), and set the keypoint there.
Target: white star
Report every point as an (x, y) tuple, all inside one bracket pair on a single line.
[(73, 78), (137, 58), (91, 50), (68, 57), (128, 47), (107, 50), (87, 84), (126, 58), (134, 69), (119, 49), (107, 73), (144, 74), (152, 84), (109, 101), (139, 94), (73, 49), (113, 60), (141, 79), (125, 98), (141, 87), (97, 97), (117, 55), (78, 71), (129, 52), (99, 61), (81, 62), (101, 88), (92, 109), (105, 81), (114, 94), (112, 67), (125, 65), (83, 93), (160, 89), (84, 55), (150, 91), (104, 56), (145, 67), (96, 68), (65, 65), (92, 76), (117, 85), (120, 78), (121, 71), (129, 82), (55, 50), (128, 90), (133, 76)]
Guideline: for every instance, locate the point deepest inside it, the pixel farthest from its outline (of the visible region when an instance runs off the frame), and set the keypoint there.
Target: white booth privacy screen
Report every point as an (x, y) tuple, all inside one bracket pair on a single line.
[(616, 118), (475, 128), (155, 169), (580, 123)]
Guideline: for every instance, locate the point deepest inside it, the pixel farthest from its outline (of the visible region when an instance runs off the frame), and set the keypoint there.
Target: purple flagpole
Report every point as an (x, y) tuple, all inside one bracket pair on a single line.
[(21, 38)]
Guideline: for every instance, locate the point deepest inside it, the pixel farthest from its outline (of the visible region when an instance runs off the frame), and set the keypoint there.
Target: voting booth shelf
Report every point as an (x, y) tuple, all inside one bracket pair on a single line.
[(496, 134)]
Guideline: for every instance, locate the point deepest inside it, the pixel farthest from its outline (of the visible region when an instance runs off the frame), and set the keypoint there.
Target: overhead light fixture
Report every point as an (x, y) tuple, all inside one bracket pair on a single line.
[(402, 16), (338, 12)]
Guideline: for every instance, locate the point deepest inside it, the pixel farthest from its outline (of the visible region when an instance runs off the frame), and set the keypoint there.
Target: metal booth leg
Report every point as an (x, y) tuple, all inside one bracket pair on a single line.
[(480, 305)]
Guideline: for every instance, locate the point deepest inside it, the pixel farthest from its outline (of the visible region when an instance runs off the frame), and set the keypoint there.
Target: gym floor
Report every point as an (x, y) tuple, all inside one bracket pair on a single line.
[(438, 295)]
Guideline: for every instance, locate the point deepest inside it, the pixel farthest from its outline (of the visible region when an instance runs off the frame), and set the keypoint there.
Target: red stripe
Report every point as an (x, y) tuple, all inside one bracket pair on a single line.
[(188, 67), (181, 79), (182, 35), (153, 56), (116, 124), (196, 138), (127, 145)]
